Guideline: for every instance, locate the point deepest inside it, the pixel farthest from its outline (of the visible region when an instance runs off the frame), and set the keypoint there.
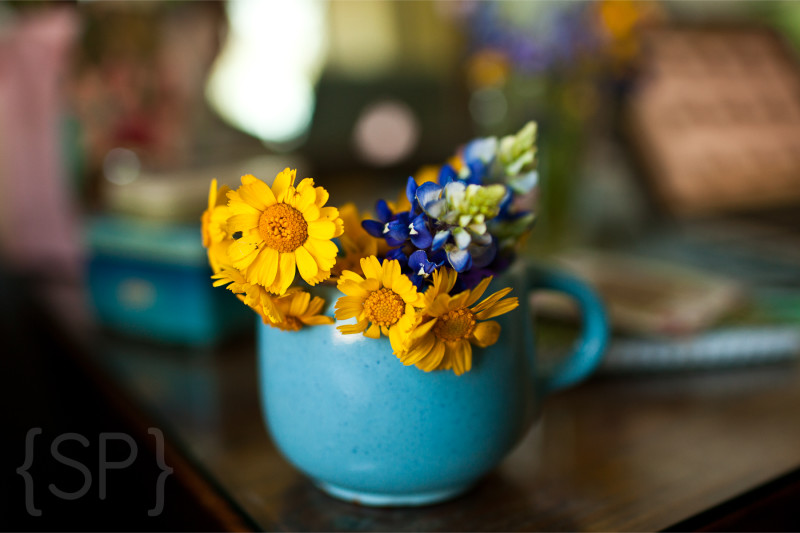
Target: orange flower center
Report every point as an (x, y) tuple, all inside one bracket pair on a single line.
[(384, 307), (283, 227), (455, 325)]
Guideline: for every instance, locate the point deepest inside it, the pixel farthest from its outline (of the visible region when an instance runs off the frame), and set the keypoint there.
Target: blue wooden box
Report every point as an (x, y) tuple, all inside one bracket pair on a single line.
[(151, 279)]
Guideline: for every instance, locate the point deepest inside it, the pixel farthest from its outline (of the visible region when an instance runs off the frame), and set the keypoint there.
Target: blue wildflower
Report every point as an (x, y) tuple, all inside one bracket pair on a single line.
[(478, 157), (393, 228), (440, 238), (399, 255), (460, 212), (398, 230), (459, 259), (420, 265), (483, 255), (484, 150), (471, 219), (429, 197), (447, 174), (419, 233)]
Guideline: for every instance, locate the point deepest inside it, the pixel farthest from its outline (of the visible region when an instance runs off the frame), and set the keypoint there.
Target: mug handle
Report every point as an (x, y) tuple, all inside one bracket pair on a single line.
[(588, 352)]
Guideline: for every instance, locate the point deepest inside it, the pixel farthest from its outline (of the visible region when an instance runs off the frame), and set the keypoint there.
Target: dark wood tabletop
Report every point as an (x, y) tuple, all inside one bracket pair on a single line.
[(617, 453)]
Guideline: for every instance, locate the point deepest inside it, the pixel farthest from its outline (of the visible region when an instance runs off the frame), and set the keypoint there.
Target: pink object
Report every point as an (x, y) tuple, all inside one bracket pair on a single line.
[(38, 223)]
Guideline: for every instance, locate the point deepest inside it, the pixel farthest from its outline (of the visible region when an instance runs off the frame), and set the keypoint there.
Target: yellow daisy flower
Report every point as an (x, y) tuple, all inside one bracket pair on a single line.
[(299, 309), (254, 296), (289, 312), (355, 242), (442, 336), (378, 301), (282, 228), (214, 224)]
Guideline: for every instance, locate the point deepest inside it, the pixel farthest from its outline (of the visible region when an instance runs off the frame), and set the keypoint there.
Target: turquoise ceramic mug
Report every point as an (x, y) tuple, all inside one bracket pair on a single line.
[(366, 428)]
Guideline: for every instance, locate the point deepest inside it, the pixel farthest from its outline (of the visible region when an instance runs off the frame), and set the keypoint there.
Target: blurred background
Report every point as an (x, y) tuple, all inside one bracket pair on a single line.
[(133, 106), (667, 130), (115, 116), (129, 108), (668, 154)]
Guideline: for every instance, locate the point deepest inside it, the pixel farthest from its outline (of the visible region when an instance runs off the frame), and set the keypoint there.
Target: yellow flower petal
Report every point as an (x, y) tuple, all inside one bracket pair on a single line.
[(443, 283), (352, 288), (238, 205), (293, 309), (217, 197), (423, 329), (347, 307), (312, 213), (324, 251), (447, 362), (264, 268), (249, 196), (307, 195), (215, 225), (440, 306), (299, 303), (350, 275), (373, 332), (285, 275), (486, 333), (317, 320), (478, 291), (283, 182), (350, 329), (243, 252), (218, 255), (269, 309), (447, 359), (459, 300), (407, 291), (243, 223), (371, 267), (490, 301), (322, 196), (212, 194), (398, 338), (461, 356), (329, 212), (433, 358), (321, 229), (503, 306), (306, 264), (418, 350), (371, 284), (256, 193), (390, 271), (315, 306), (321, 276)]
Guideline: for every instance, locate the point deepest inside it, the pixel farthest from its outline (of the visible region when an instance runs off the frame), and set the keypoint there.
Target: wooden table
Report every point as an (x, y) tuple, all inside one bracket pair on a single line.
[(618, 453)]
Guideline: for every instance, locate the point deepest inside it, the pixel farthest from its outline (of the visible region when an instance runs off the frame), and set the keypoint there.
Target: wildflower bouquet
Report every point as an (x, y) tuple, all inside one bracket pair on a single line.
[(414, 273)]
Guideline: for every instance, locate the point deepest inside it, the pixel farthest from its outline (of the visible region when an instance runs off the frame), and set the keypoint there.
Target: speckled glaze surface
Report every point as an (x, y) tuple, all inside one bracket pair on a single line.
[(366, 428)]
